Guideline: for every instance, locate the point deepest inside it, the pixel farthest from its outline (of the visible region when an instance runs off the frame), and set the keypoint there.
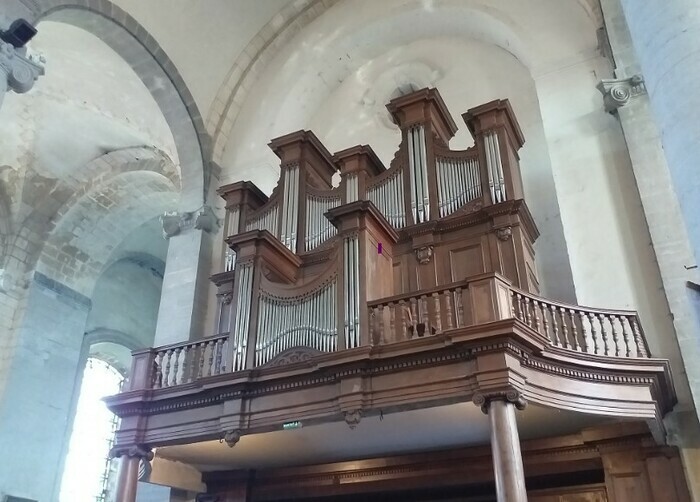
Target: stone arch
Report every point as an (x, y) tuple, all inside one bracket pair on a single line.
[(159, 74), (112, 347), (92, 226), (47, 214)]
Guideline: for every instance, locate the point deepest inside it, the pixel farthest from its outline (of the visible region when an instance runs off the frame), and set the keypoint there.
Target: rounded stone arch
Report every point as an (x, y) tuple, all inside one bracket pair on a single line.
[(47, 215), (113, 347), (141, 51), (89, 228)]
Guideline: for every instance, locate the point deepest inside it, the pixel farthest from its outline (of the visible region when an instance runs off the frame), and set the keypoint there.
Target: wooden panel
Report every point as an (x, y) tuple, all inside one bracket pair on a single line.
[(579, 494), (399, 282), (466, 261)]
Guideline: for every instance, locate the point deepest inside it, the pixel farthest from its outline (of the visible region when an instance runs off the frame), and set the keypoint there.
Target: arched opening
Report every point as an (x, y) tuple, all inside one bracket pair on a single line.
[(89, 474)]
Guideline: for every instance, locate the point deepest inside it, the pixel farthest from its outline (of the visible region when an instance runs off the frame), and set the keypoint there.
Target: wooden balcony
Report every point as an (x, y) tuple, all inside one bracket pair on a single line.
[(400, 289)]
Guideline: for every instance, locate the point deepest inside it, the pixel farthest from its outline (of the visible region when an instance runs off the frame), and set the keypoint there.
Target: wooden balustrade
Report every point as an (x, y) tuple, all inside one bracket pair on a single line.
[(186, 362), (593, 331), (414, 315)]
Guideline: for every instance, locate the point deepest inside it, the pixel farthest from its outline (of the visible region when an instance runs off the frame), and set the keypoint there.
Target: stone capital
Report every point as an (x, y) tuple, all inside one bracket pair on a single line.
[(619, 92), (20, 69), (175, 223), (511, 395)]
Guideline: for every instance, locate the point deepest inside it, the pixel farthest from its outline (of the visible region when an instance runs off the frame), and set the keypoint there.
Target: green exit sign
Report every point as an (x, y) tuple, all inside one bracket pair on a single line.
[(291, 425)]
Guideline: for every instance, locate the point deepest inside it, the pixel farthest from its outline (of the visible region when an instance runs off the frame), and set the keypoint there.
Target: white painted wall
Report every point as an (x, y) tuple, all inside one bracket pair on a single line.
[(612, 260)]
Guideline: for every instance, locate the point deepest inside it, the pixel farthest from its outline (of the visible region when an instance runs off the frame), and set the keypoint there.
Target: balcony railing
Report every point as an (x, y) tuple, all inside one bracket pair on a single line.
[(429, 312), (582, 329), (183, 363)]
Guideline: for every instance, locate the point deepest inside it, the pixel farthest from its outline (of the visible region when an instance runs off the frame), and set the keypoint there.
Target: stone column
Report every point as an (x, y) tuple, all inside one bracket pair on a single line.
[(127, 482), (186, 280), (635, 102), (505, 444), (666, 38), (18, 71)]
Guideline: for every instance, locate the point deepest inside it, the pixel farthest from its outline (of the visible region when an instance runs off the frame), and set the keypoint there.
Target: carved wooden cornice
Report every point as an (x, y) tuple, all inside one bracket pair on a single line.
[(520, 346)]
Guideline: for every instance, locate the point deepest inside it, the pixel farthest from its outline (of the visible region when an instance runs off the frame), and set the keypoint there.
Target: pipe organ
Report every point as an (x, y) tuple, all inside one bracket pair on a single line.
[(303, 264)]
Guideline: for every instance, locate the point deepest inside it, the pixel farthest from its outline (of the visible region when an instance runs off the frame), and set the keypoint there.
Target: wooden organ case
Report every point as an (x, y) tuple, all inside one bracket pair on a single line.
[(306, 263)]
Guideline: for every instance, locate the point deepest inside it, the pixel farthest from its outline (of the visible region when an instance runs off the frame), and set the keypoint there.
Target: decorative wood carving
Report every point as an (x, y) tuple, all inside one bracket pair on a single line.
[(293, 356), (353, 417), (424, 254)]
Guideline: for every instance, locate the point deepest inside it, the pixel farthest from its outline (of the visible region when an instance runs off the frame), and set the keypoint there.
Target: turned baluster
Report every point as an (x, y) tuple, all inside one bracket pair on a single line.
[(414, 318), (460, 308), (627, 334), (545, 321), (218, 345), (604, 333), (210, 344), (594, 334), (528, 317), (555, 327), (584, 332), (617, 341), (424, 315), (202, 356), (638, 340), (380, 321), (536, 311), (564, 328), (448, 309), (193, 362), (159, 370), (438, 313), (392, 321), (176, 366), (166, 375), (185, 363), (404, 325), (574, 330)]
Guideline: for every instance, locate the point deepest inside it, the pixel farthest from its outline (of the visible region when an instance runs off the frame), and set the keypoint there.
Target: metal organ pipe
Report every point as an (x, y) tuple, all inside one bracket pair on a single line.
[(388, 197)]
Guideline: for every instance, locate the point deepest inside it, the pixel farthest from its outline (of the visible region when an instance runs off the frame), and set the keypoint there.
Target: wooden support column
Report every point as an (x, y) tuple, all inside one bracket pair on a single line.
[(505, 445), (127, 482)]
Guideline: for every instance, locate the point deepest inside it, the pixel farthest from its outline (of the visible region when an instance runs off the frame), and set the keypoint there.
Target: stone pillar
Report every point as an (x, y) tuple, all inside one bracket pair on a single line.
[(186, 279), (37, 406), (18, 71), (635, 102), (505, 445), (127, 483), (666, 38)]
